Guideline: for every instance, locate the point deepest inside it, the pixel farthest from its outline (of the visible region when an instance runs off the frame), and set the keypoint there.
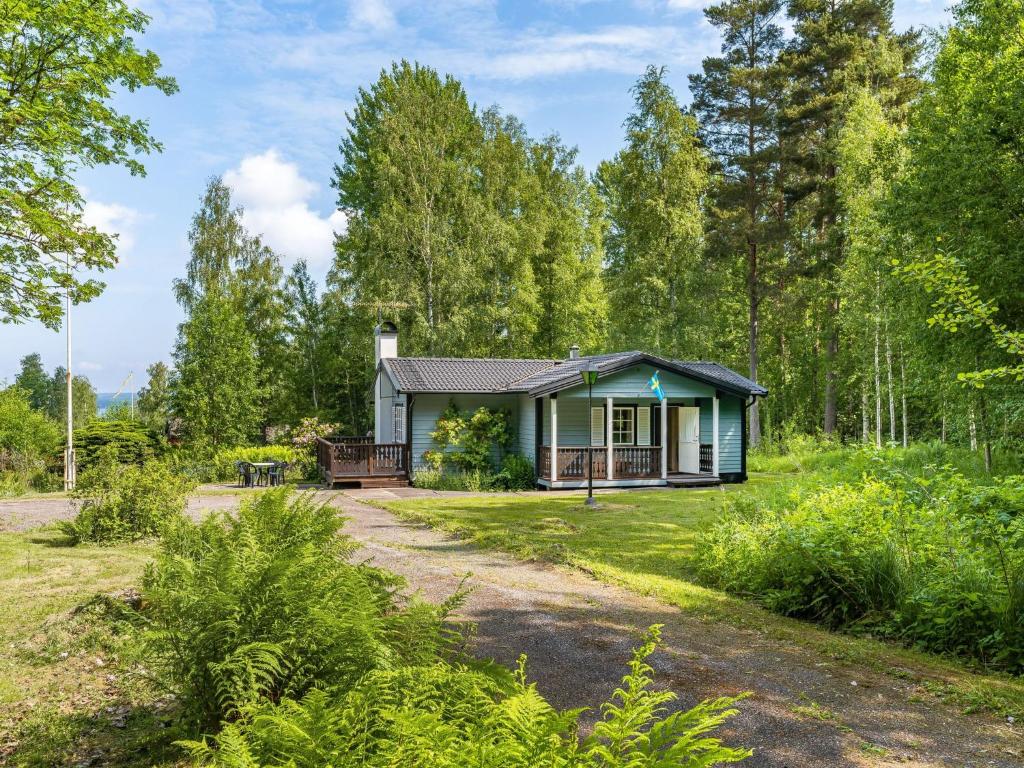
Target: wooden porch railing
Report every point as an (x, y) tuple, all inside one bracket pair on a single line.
[(631, 462), (707, 461), (344, 457)]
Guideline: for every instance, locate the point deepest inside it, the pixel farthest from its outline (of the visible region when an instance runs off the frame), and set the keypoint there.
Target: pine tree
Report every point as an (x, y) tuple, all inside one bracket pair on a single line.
[(736, 99), (839, 45), (653, 191)]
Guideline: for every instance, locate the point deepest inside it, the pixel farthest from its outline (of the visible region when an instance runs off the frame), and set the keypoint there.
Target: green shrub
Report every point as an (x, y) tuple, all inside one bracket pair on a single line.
[(449, 716), (456, 480), (517, 473), (933, 559), (301, 464), (29, 444), (265, 605), (125, 502), (134, 442), (469, 442)]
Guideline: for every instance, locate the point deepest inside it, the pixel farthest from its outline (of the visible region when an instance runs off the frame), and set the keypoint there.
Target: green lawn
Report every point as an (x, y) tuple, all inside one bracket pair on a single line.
[(644, 542)]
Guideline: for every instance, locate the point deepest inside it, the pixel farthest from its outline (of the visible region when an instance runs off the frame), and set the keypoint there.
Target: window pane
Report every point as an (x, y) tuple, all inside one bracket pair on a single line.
[(622, 426)]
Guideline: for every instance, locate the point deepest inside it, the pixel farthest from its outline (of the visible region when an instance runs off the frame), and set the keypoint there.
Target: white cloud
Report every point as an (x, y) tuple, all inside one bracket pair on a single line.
[(89, 367), (688, 5), (276, 199), (376, 14), (113, 219)]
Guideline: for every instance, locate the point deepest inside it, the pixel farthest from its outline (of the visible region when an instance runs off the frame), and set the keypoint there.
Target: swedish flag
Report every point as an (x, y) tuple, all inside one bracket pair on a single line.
[(655, 385)]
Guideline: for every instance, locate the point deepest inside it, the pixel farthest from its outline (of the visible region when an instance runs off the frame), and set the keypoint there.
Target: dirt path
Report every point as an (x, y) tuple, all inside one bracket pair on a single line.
[(578, 633)]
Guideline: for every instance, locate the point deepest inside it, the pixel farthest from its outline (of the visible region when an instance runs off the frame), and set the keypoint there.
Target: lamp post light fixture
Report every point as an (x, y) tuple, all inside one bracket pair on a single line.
[(589, 374)]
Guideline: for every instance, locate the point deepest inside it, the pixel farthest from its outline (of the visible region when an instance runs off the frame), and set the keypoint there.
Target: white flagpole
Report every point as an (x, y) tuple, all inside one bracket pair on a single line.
[(69, 449)]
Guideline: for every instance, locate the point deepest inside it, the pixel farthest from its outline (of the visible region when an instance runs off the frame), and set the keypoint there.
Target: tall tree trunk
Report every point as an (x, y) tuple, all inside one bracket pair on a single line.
[(865, 425), (903, 396), (985, 438), (972, 427), (892, 394), (831, 361), (878, 389), (755, 416)]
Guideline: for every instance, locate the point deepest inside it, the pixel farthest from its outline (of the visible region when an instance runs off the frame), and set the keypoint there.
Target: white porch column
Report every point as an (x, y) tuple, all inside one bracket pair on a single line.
[(664, 439), (608, 442), (714, 436), (554, 439)]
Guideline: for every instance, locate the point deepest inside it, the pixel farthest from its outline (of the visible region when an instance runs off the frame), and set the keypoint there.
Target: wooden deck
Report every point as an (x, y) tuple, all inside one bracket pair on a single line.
[(361, 463)]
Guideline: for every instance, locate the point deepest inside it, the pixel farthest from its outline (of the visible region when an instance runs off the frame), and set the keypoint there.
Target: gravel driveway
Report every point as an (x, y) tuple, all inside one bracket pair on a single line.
[(578, 634)]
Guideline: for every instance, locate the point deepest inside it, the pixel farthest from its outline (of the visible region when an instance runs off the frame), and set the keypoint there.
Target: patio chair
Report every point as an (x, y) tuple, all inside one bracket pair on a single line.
[(275, 474), (245, 473)]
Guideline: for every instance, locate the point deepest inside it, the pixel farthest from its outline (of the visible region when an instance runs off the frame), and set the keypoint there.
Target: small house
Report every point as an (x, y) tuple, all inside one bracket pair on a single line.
[(643, 421)]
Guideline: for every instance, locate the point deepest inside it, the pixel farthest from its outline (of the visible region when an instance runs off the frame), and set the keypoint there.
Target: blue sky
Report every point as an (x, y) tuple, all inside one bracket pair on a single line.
[(264, 90)]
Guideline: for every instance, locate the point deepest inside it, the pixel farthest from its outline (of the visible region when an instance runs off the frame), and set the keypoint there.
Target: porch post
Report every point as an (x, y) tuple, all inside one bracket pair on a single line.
[(714, 435), (608, 442), (554, 438), (664, 439)]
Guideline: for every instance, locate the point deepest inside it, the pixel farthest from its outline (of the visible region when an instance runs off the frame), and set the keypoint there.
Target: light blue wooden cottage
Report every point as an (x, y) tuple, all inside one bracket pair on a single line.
[(695, 434)]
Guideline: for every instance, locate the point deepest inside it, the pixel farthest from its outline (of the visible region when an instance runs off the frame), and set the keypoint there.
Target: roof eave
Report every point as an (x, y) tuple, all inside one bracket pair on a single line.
[(570, 381)]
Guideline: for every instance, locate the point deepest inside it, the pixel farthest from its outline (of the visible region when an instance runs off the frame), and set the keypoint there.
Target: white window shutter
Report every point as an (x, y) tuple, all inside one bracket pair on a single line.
[(597, 426), (643, 425)]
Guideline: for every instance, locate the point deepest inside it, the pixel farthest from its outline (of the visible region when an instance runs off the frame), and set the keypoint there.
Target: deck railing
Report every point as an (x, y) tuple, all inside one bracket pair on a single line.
[(707, 461), (630, 462), (341, 457)]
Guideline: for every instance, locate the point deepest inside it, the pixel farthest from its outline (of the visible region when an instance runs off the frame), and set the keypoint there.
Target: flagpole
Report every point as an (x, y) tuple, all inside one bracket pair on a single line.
[(69, 448)]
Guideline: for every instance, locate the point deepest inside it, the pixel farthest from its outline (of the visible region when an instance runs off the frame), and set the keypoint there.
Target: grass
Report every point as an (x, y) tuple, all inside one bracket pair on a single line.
[(66, 692), (644, 541)]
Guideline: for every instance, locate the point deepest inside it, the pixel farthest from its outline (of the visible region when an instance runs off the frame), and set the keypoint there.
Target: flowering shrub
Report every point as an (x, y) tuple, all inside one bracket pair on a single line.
[(469, 442)]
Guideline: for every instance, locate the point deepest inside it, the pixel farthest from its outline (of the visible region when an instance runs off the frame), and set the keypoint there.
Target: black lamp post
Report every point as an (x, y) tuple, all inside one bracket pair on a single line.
[(589, 374)]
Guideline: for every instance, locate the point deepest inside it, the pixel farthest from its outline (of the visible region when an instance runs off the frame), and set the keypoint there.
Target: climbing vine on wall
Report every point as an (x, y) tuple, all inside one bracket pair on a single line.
[(470, 441)]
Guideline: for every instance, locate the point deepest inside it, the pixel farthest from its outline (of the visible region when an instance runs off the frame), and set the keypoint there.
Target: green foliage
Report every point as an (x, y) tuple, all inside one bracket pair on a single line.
[(125, 502), (451, 715), (484, 241), (61, 63), (132, 442), (215, 393), (517, 473), (83, 399), (265, 605), (33, 379), (653, 190), (931, 559), (154, 401), (301, 462), (29, 442), (469, 442)]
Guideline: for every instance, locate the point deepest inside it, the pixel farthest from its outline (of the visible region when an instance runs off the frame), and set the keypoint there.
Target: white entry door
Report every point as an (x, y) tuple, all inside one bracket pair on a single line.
[(689, 439)]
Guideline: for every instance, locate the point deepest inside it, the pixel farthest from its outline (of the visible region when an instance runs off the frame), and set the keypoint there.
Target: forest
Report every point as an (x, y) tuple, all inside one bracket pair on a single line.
[(835, 213)]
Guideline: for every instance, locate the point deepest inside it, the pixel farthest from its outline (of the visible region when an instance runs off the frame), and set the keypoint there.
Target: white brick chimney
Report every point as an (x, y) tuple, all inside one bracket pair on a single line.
[(385, 347)]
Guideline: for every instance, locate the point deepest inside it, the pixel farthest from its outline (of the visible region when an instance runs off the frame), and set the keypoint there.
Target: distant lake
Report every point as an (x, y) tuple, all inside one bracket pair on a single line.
[(106, 399)]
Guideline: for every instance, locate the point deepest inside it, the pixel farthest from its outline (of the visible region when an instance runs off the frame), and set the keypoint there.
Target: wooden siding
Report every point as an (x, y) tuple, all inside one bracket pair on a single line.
[(730, 438), (527, 427), (631, 384), (428, 407)]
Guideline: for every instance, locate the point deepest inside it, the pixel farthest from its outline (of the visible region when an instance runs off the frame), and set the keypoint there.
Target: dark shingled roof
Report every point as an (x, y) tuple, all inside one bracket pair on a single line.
[(460, 374), (486, 375)]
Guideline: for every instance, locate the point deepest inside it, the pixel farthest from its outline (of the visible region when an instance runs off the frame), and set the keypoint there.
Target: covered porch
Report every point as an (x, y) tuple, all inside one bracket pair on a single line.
[(633, 441)]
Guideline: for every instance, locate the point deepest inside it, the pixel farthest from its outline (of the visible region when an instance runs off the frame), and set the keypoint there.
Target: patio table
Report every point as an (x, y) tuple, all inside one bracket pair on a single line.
[(262, 470)]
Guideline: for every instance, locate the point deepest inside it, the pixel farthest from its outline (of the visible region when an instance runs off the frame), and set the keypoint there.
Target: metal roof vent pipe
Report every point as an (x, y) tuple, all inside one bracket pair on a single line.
[(574, 352)]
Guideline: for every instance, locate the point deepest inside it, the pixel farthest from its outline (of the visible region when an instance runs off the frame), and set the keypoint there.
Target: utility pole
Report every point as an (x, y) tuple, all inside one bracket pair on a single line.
[(69, 448)]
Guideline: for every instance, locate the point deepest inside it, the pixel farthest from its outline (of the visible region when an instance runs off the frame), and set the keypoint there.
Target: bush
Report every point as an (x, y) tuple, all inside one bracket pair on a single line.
[(448, 715), (517, 473), (133, 442), (468, 442), (934, 560), (29, 443), (125, 502), (223, 465), (455, 480), (265, 605)]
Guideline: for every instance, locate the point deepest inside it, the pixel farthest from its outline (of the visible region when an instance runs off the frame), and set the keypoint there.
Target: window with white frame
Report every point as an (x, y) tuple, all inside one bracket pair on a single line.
[(622, 425), (398, 421)]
